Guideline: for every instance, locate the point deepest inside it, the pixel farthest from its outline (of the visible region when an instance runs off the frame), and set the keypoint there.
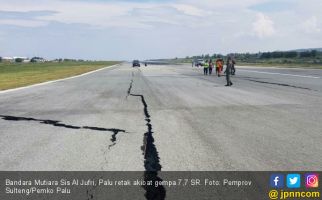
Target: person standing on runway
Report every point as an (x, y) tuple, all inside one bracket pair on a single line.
[(219, 66), (222, 63), (211, 65), (233, 69), (228, 71), (205, 67)]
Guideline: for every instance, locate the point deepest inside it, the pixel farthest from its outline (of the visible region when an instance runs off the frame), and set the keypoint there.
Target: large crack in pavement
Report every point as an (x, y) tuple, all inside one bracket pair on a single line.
[(115, 131), (130, 88), (42, 121), (113, 140), (56, 123), (152, 164)]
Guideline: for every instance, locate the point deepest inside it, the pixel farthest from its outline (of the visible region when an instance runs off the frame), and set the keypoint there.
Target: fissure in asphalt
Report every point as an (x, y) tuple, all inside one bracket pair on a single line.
[(130, 88), (55, 123), (113, 140), (151, 156)]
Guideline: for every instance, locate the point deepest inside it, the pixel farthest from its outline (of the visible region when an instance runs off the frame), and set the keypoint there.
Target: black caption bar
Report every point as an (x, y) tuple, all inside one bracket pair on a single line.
[(153, 185)]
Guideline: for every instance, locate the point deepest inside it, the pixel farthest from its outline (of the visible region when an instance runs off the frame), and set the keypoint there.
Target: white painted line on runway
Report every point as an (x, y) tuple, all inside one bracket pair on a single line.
[(54, 81), (276, 67), (275, 73)]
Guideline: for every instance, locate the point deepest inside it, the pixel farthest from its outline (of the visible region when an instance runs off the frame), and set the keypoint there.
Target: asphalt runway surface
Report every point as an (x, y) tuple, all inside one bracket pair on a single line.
[(166, 117)]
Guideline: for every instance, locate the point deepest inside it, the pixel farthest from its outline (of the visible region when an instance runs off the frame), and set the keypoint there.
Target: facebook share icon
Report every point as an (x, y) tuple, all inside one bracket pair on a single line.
[(277, 181)]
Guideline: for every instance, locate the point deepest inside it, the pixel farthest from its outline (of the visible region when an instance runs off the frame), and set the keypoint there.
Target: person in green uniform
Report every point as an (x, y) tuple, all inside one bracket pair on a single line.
[(205, 67)]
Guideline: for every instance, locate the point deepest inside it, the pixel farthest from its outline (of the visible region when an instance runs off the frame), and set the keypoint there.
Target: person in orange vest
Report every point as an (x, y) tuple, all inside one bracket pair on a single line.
[(222, 65), (219, 66)]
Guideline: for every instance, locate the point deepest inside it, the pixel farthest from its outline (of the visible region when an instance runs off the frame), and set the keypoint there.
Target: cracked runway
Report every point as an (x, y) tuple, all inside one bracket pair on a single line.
[(165, 118)]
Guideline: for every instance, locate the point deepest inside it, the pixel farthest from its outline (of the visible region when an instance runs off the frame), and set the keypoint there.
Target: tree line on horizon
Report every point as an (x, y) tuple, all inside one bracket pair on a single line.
[(312, 56), (262, 55)]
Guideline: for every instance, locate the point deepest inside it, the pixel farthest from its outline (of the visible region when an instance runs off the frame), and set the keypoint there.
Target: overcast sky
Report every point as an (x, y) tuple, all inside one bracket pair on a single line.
[(143, 29)]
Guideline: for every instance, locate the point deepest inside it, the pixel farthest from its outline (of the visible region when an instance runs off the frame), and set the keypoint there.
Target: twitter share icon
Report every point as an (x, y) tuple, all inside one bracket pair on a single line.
[(293, 180)]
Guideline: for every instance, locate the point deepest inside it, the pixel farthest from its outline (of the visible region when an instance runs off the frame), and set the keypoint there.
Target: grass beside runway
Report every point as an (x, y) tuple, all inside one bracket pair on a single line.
[(14, 75)]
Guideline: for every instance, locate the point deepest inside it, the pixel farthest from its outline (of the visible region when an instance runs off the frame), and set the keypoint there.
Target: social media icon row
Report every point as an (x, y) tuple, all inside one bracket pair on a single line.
[(294, 180)]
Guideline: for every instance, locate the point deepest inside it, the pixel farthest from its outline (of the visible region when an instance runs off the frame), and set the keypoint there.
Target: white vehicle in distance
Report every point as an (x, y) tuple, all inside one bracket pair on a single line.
[(199, 62)]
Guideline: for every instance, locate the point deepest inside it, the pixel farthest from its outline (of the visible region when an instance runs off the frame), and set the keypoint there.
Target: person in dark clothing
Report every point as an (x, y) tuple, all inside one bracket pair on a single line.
[(210, 67), (228, 71), (233, 70)]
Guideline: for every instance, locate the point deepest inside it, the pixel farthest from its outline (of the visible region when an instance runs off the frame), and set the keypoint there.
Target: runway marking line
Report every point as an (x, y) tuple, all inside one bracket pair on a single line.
[(275, 73)]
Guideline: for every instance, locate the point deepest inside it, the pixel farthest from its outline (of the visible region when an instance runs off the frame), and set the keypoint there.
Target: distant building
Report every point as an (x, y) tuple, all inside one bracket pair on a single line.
[(15, 59), (26, 61), (8, 59)]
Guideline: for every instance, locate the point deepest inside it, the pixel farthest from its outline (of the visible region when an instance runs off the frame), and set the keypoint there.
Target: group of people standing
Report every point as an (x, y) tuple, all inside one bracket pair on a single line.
[(219, 64)]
